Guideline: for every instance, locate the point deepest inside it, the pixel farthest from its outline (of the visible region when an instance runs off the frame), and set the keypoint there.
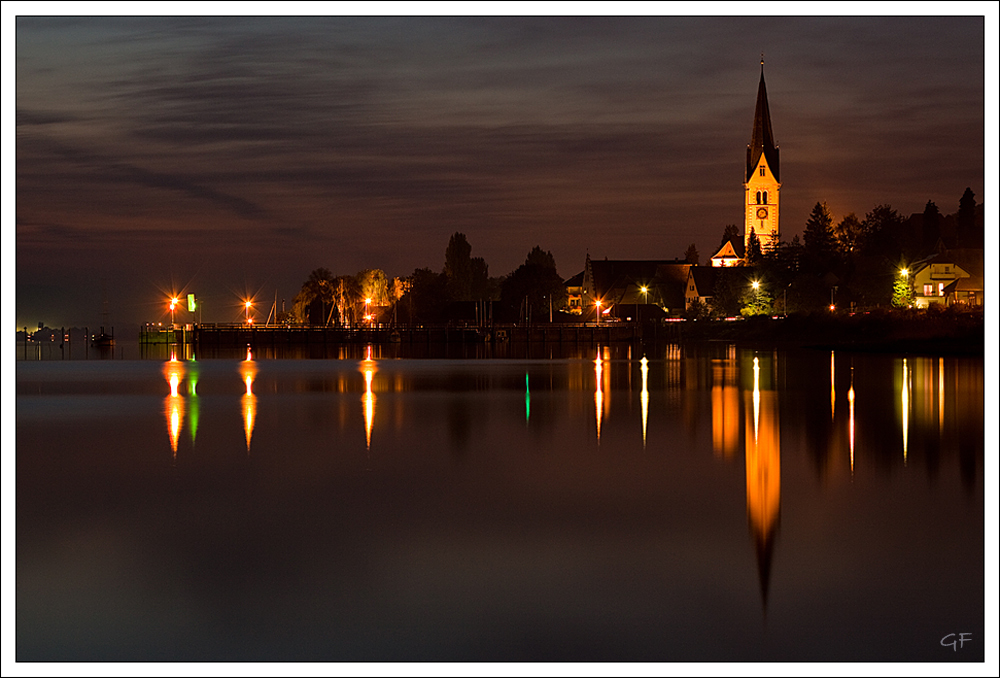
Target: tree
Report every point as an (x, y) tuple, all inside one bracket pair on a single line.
[(691, 255), (458, 267), (374, 285), (818, 237), (534, 287), (849, 235), (882, 236), (730, 234), (756, 301), (902, 293), (315, 300), (541, 258), (728, 291), (697, 310), (480, 279), (931, 226), (347, 296), (967, 233), (753, 254), (426, 296)]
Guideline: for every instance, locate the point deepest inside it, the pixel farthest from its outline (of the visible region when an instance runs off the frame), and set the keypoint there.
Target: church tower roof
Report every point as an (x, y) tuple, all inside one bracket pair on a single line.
[(762, 138)]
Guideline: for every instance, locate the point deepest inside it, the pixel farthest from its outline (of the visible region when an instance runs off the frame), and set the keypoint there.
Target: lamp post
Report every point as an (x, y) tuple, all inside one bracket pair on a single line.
[(368, 316), (598, 305), (248, 304), (173, 305), (645, 300)]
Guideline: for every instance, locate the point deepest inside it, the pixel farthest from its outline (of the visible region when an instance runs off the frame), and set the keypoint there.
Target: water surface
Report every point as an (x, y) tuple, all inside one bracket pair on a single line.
[(696, 503)]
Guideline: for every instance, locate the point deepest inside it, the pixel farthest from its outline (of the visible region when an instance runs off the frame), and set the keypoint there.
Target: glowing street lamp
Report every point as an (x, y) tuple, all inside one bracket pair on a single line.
[(173, 304), (368, 315), (248, 304), (598, 305)]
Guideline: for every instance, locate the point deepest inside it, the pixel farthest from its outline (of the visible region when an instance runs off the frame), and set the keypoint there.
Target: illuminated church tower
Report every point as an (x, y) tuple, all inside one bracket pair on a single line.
[(762, 178)]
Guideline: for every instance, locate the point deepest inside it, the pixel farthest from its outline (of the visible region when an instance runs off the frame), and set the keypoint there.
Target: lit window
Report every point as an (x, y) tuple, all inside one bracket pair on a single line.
[(928, 290), (940, 289)]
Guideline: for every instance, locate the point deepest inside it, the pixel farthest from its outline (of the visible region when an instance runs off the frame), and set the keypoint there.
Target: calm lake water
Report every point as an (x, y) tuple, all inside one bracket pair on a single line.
[(701, 503)]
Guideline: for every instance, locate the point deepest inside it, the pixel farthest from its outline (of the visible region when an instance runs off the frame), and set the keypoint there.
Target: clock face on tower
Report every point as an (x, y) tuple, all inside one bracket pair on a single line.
[(762, 213)]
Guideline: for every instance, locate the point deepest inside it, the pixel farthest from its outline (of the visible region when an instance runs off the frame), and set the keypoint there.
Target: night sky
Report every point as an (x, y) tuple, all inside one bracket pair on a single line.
[(234, 155)]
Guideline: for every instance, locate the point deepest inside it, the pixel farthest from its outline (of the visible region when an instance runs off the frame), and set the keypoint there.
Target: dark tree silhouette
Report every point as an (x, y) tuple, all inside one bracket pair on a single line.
[(533, 287), (691, 254), (730, 234), (458, 268), (931, 227), (967, 234), (753, 254), (849, 235), (818, 235)]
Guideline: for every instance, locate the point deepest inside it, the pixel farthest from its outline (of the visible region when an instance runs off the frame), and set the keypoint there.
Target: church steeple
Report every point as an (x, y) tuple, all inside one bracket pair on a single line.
[(761, 180), (762, 138)]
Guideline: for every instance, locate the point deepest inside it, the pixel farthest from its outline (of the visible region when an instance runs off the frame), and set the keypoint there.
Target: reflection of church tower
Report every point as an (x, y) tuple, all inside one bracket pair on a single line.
[(763, 469), (761, 179)]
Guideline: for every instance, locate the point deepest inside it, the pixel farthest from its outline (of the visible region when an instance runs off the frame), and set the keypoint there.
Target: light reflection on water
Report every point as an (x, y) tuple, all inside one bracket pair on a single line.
[(480, 481)]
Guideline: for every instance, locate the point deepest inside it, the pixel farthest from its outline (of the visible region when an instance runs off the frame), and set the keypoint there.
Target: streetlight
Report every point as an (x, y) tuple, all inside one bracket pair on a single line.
[(368, 316), (598, 305), (645, 300), (248, 304), (173, 304)]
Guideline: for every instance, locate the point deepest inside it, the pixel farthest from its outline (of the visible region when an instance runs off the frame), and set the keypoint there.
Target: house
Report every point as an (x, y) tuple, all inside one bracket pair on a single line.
[(728, 255), (626, 288), (574, 294), (949, 277), (700, 286)]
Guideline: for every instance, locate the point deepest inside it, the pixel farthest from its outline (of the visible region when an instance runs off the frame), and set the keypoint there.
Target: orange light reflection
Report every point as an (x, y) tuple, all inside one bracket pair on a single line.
[(248, 370), (368, 368)]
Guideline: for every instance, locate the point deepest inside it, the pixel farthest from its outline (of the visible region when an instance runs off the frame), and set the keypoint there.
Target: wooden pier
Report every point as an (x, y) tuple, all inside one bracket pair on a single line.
[(217, 335)]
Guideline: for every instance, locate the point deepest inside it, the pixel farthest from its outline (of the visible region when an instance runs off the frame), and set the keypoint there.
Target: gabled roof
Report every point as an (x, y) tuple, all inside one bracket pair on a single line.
[(970, 284), (761, 137), (575, 281), (618, 273), (619, 281), (729, 250), (704, 279), (969, 260)]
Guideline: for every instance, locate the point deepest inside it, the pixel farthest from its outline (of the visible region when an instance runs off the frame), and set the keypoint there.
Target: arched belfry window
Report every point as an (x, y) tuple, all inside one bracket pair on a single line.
[(765, 197), (758, 197)]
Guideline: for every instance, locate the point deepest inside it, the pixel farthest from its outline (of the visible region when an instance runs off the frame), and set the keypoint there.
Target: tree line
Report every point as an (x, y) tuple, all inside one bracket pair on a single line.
[(462, 290)]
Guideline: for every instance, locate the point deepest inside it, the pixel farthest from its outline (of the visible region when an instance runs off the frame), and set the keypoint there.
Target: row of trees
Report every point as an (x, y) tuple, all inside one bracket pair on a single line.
[(852, 262), (462, 290)]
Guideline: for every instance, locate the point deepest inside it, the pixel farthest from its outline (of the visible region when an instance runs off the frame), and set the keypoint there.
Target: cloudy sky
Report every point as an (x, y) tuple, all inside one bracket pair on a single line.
[(226, 155)]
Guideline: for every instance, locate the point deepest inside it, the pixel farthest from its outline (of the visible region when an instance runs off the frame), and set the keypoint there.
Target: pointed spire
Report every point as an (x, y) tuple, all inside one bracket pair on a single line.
[(761, 137)]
